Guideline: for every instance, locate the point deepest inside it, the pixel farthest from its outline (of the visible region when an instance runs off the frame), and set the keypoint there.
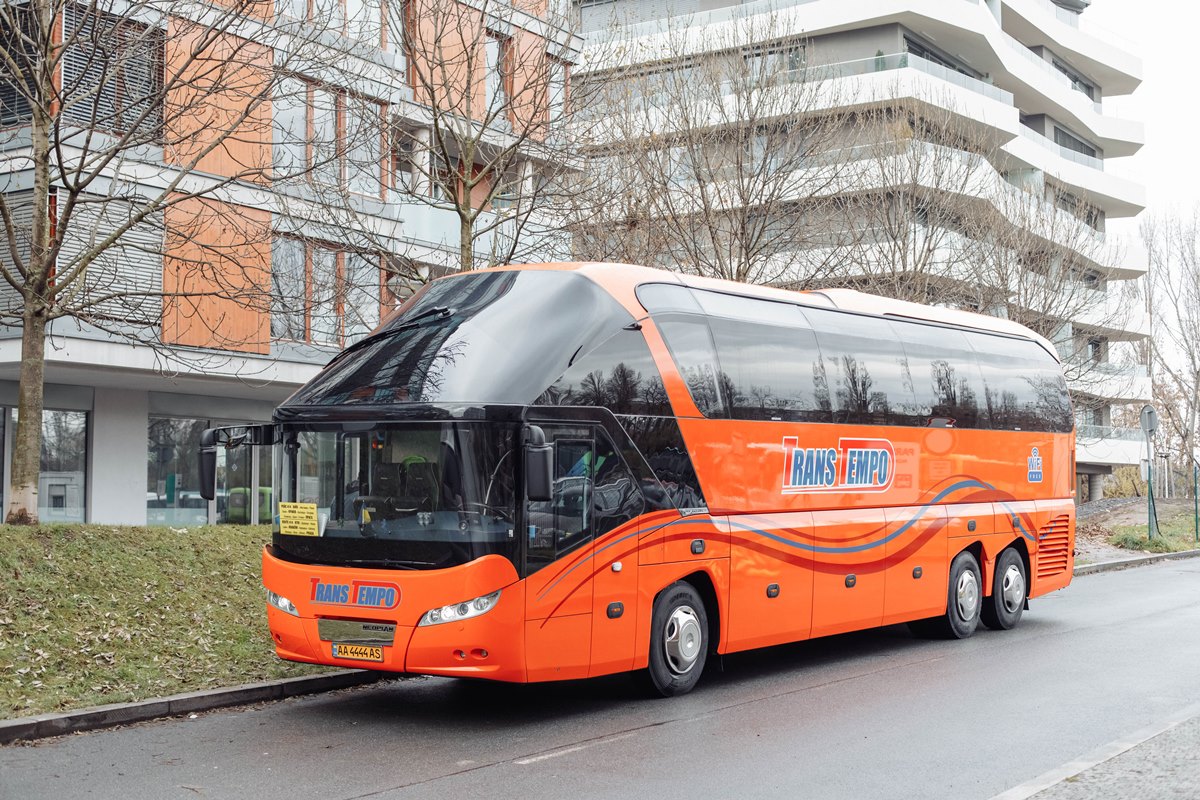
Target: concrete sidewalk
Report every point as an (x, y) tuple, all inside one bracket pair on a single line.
[(1155, 763)]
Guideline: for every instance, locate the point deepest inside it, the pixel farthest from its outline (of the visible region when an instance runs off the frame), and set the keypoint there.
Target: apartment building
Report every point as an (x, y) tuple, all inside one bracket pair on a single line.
[(316, 210), (1028, 77)]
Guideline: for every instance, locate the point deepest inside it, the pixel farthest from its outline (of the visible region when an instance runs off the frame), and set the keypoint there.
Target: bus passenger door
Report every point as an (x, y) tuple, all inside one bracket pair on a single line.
[(558, 591), (617, 505)]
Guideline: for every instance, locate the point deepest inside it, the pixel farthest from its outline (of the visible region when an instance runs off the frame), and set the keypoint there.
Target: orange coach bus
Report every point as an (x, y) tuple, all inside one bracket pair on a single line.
[(561, 471)]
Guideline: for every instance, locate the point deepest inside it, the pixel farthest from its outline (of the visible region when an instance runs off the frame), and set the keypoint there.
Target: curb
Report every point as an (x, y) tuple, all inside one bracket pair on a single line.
[(87, 719), (1138, 561)]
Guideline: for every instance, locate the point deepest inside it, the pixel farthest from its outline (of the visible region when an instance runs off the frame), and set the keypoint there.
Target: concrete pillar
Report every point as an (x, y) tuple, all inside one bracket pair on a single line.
[(1095, 487), (117, 457)]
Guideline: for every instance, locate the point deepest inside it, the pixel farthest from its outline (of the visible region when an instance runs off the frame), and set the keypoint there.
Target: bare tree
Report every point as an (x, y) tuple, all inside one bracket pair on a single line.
[(714, 157), (1036, 259), (1173, 244), (488, 138), (136, 170), (918, 169)]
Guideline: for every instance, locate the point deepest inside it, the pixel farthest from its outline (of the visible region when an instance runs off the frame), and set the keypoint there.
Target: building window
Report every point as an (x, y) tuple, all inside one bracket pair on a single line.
[(288, 297), (322, 295), (62, 484), (334, 137), (323, 322), (112, 72), (922, 50), (1064, 139), (15, 88), (1078, 82), (173, 472), (362, 295), (403, 165), (361, 20), (496, 48), (770, 60), (558, 90), (363, 129)]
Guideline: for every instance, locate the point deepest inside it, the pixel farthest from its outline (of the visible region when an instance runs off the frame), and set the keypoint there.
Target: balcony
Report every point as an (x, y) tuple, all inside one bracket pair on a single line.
[(1080, 173), (1105, 446), (1101, 54), (1065, 152)]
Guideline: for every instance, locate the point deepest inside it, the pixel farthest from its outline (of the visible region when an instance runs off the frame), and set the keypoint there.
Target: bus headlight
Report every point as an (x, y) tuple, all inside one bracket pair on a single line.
[(460, 611), (282, 603)]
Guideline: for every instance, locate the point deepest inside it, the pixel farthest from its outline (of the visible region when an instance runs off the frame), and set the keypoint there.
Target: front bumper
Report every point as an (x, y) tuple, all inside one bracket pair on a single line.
[(488, 646)]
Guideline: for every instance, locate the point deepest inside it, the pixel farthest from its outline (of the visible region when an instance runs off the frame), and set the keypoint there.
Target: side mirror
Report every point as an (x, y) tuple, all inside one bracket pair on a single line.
[(208, 463), (539, 465), (228, 437)]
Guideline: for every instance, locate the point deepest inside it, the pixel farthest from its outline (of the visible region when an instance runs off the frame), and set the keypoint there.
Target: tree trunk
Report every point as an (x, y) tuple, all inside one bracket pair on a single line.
[(27, 445), (466, 249)]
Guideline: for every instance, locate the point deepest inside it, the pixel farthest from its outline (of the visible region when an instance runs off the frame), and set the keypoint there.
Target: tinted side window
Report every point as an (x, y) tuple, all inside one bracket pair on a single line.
[(662, 445), (616, 498), (691, 347), (619, 374), (768, 355), (944, 374), (1023, 386), (861, 373), (563, 523)]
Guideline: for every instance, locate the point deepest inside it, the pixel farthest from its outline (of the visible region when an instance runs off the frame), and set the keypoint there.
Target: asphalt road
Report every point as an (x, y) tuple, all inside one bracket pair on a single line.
[(872, 715)]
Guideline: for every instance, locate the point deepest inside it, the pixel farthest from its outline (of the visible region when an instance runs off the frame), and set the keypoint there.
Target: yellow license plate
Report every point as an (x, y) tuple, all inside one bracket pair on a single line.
[(358, 652)]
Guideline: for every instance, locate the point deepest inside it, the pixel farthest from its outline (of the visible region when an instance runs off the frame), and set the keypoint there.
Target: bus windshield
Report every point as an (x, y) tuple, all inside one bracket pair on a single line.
[(489, 337), (409, 495)]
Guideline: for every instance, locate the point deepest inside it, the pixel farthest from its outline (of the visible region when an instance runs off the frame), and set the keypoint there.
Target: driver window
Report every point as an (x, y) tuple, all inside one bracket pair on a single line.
[(563, 523)]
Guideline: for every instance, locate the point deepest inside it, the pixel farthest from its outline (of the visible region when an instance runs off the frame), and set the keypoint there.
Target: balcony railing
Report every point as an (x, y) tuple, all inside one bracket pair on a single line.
[(1107, 432), (1068, 17), (1065, 152), (860, 66), (1049, 69), (884, 63)]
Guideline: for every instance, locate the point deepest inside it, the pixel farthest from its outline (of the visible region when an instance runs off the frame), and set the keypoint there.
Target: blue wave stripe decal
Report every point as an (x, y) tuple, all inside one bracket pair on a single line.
[(812, 548), (858, 548), (614, 542)]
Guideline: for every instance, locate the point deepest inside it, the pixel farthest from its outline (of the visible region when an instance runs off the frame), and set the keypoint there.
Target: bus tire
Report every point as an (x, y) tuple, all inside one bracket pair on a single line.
[(965, 598), (1002, 611), (678, 640), (963, 603)]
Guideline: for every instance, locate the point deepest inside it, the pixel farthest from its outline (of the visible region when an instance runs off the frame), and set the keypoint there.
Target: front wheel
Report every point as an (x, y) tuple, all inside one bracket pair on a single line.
[(678, 640)]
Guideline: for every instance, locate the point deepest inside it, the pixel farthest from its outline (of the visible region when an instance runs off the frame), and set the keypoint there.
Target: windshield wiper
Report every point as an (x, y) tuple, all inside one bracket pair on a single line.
[(441, 312)]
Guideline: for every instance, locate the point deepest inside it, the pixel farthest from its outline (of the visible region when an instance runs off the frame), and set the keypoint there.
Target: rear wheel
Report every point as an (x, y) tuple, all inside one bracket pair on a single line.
[(678, 640), (963, 603), (1002, 611)]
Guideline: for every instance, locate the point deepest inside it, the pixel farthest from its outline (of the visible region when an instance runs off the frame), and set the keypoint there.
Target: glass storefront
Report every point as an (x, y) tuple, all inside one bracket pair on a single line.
[(172, 475), (62, 486), (173, 478)]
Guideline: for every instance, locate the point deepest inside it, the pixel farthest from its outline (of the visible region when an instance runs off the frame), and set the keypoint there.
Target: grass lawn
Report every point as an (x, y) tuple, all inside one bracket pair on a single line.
[(94, 614), (1175, 523)]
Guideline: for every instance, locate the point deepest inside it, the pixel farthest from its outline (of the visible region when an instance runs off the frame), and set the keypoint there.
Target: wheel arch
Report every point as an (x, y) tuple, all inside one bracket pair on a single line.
[(702, 582)]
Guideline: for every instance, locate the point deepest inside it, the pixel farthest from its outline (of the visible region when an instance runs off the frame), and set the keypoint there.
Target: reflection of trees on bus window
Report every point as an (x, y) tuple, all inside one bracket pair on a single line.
[(618, 374)]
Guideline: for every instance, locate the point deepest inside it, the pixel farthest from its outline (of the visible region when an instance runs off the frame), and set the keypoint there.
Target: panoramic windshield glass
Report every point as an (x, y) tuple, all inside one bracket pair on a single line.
[(489, 337), (417, 495)]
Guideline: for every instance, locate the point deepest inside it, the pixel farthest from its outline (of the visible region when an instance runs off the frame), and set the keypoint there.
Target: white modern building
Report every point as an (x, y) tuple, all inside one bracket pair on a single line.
[(1033, 74)]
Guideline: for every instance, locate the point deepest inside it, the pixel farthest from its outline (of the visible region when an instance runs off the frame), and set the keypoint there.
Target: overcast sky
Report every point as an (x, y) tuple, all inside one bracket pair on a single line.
[(1163, 33)]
